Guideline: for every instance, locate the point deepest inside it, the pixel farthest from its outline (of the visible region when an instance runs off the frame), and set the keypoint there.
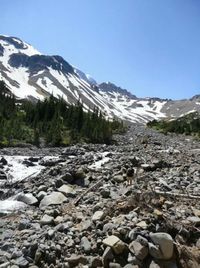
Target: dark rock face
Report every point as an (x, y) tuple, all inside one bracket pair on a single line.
[(1, 50), (110, 87), (14, 41), (38, 63), (195, 98)]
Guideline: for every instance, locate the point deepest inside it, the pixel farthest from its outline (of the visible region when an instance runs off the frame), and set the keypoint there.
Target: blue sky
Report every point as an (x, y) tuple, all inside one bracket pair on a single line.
[(150, 47)]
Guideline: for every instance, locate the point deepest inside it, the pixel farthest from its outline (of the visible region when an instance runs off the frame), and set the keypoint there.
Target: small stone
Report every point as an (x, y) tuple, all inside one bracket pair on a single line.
[(157, 212), (196, 212), (85, 244), (21, 262), (28, 199), (155, 252), (142, 224), (131, 266), (198, 243), (46, 220), (41, 195), (51, 233), (138, 250), (58, 220), (142, 240), (108, 227), (96, 262), (114, 265), (105, 193), (5, 265), (24, 224), (38, 256), (118, 178), (3, 161), (66, 190), (115, 243), (194, 219), (153, 264), (75, 260), (98, 215), (107, 257)]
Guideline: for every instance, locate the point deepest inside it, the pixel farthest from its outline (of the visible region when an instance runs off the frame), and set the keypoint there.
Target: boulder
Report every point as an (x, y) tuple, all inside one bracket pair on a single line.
[(164, 243), (55, 198), (28, 199)]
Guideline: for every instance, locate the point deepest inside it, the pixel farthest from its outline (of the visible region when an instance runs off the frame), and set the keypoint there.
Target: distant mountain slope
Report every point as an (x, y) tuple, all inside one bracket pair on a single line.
[(29, 74), (187, 124)]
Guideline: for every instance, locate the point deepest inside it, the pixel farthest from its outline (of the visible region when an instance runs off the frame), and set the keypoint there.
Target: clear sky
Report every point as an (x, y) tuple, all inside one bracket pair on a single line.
[(150, 47)]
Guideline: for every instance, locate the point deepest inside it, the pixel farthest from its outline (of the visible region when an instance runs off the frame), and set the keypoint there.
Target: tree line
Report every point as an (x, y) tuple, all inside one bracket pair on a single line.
[(188, 124), (51, 122)]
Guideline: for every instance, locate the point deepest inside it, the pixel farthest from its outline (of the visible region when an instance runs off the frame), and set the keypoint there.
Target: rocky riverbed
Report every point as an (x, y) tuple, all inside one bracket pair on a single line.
[(72, 207)]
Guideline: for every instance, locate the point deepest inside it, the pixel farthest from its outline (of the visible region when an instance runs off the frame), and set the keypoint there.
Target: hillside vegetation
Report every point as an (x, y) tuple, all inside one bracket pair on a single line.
[(51, 122), (188, 124)]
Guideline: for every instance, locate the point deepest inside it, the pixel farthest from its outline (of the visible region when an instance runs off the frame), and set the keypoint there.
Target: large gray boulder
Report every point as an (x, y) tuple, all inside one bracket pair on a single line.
[(55, 198), (28, 199), (162, 247)]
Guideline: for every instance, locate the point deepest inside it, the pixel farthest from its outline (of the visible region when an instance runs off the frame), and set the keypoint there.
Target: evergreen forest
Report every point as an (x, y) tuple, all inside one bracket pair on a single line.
[(51, 122)]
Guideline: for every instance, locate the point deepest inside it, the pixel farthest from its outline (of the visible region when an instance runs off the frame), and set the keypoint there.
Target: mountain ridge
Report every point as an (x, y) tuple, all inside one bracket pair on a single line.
[(30, 74)]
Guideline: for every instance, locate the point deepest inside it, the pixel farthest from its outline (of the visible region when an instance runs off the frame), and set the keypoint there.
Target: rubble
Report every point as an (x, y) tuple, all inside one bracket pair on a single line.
[(79, 214)]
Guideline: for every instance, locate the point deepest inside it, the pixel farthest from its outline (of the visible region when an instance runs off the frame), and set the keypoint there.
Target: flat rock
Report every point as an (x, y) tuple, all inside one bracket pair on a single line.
[(55, 198), (66, 190)]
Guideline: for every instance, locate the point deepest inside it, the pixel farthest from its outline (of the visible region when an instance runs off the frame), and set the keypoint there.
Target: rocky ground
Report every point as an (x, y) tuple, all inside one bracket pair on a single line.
[(80, 212)]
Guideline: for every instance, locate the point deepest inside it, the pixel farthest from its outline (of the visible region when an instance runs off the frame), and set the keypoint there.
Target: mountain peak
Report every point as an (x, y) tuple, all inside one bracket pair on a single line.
[(111, 87), (16, 45)]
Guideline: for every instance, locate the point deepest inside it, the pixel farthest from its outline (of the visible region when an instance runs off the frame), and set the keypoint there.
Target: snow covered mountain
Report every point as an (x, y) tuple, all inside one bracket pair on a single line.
[(29, 74)]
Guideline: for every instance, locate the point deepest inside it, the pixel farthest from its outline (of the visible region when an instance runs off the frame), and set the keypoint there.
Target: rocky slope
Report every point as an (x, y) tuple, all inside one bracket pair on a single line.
[(79, 212), (30, 74)]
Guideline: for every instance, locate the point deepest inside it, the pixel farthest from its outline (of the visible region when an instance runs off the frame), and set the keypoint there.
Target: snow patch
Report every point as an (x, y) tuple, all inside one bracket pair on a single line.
[(98, 164), (16, 170), (8, 206)]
